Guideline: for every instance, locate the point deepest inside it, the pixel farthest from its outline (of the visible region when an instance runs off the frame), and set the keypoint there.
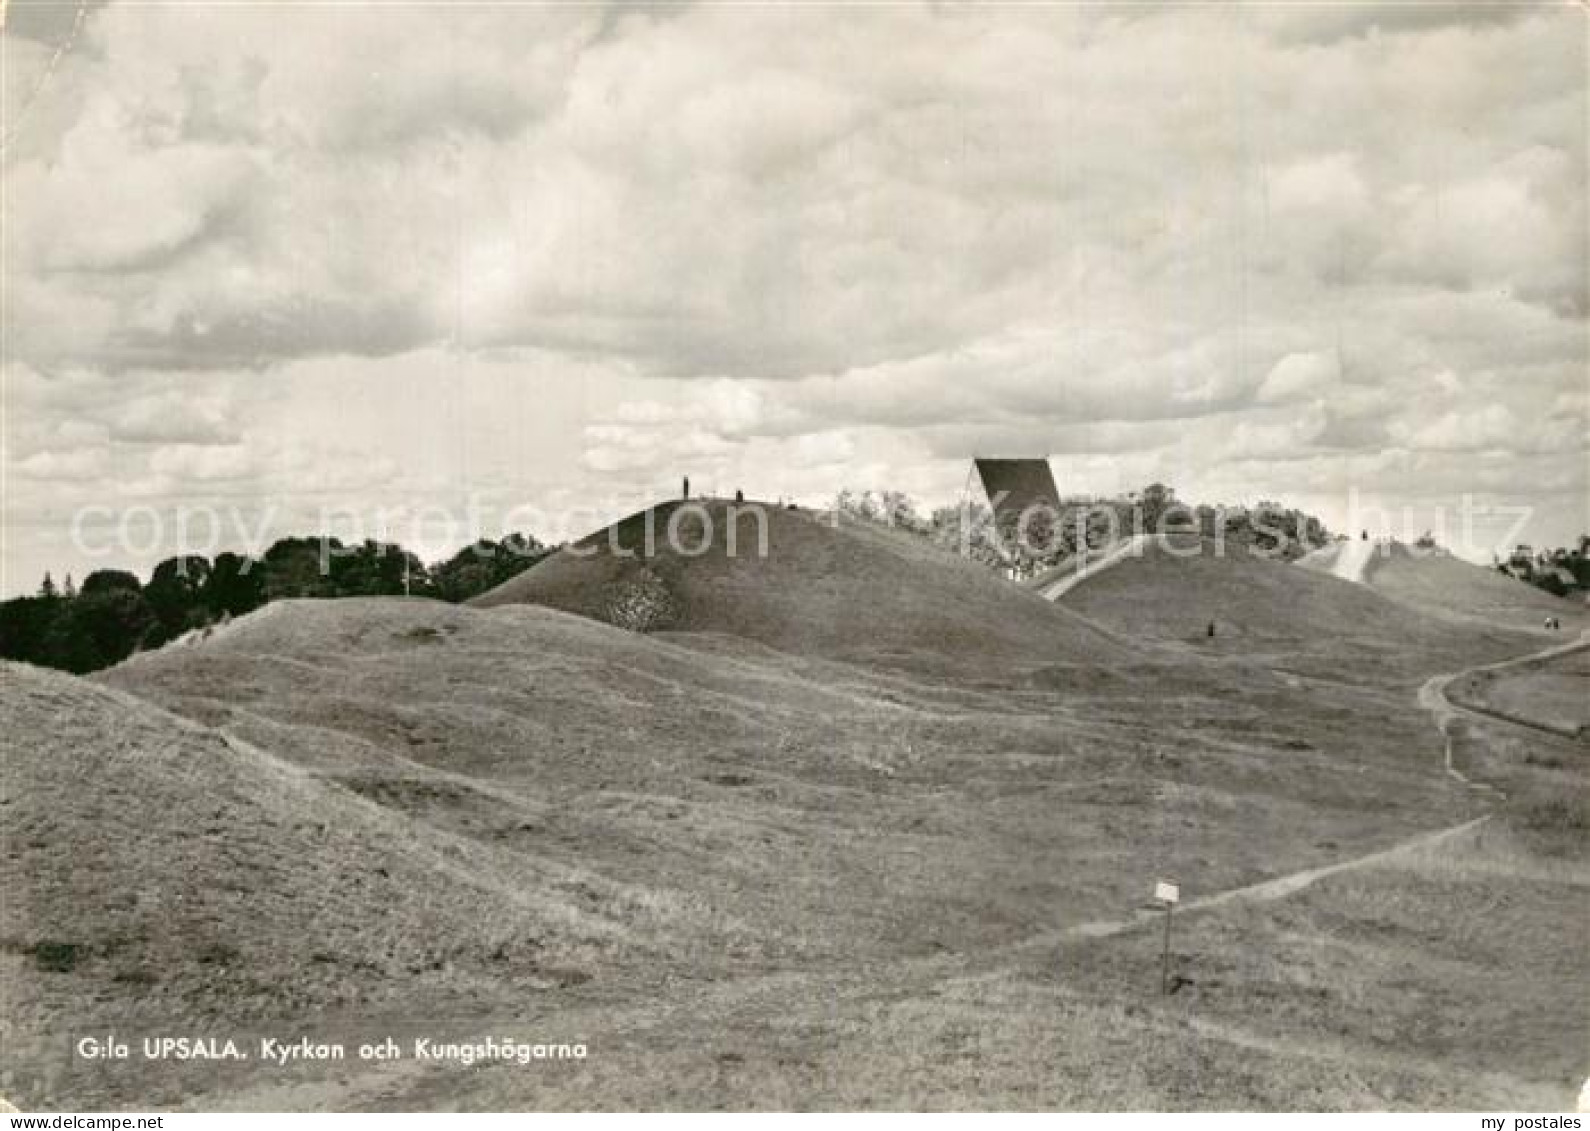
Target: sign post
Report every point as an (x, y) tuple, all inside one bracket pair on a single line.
[(1168, 894)]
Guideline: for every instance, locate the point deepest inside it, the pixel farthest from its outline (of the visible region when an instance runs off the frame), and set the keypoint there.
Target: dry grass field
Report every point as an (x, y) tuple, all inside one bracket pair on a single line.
[(1553, 694), (854, 825), (1270, 613), (1445, 588)]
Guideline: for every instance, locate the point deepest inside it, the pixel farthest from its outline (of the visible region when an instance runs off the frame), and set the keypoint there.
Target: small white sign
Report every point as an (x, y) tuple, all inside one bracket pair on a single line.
[(1167, 892)]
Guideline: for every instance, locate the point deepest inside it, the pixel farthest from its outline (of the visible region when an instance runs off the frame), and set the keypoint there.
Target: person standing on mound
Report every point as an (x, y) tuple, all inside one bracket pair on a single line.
[(686, 491)]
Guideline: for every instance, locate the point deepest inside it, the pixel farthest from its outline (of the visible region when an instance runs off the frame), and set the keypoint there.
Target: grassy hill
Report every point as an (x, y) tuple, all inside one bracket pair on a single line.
[(1448, 588), (838, 811), (1445, 588), (156, 869), (753, 861), (1265, 610), (853, 591)]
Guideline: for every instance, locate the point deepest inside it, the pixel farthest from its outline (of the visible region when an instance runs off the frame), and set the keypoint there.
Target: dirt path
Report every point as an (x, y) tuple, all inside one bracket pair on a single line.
[(1433, 698), (1264, 891), (1347, 560), (1114, 556), (1352, 563), (408, 1082)]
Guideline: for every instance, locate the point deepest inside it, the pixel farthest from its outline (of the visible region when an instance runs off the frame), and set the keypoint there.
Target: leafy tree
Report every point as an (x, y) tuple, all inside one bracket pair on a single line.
[(1153, 502), (98, 629), (967, 530), (108, 580), (485, 565), (25, 624), (376, 569), (236, 585), (887, 508), (115, 615), (897, 509), (176, 594), (1562, 572), (1548, 580), (300, 567)]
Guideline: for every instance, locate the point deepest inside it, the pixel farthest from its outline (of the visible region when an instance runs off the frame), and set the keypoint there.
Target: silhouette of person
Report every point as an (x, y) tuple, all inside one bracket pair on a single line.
[(1211, 629), (739, 496), (687, 487)]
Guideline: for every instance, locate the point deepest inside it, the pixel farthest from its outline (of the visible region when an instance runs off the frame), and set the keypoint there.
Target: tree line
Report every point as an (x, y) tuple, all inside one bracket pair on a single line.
[(1562, 572), (112, 614), (1078, 523)]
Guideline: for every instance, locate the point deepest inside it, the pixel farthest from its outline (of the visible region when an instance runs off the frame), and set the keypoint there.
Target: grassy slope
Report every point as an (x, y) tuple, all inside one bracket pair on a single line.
[(855, 592), (1446, 588), (1554, 694), (836, 812), (817, 882), (153, 871), (1445, 978), (1270, 612)]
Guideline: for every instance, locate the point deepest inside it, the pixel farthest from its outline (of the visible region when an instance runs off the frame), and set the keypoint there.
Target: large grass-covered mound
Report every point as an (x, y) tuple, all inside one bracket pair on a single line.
[(1446, 587), (157, 868), (809, 585), (822, 877), (1173, 588)]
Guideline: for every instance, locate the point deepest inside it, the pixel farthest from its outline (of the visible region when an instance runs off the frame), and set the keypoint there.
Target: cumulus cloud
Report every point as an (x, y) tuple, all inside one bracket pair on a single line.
[(171, 417), (202, 461), (1299, 375), (1322, 23), (1462, 431), (74, 465)]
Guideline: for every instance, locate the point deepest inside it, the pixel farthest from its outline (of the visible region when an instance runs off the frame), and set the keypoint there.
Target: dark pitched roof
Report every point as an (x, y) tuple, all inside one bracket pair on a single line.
[(1023, 482)]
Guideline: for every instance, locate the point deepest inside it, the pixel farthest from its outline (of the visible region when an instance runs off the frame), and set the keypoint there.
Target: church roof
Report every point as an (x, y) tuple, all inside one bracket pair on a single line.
[(1013, 485)]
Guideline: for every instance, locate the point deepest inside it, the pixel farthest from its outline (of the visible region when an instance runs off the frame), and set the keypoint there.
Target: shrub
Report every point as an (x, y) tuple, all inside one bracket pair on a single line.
[(1554, 813), (218, 954), (57, 957), (644, 603)]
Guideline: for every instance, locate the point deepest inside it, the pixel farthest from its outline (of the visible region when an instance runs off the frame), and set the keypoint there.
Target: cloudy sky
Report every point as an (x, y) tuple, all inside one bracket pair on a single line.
[(419, 258)]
